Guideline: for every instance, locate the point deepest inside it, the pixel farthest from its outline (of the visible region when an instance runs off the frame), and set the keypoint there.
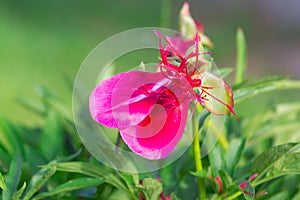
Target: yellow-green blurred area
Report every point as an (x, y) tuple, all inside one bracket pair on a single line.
[(43, 42)]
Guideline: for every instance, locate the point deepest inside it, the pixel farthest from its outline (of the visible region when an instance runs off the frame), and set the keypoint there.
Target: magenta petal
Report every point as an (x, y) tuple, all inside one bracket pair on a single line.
[(121, 101), (160, 143), (160, 131), (132, 99), (179, 44), (100, 101), (149, 109)]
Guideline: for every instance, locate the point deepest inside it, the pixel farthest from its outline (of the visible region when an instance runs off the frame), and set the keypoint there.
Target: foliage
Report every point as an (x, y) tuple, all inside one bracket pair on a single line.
[(47, 161)]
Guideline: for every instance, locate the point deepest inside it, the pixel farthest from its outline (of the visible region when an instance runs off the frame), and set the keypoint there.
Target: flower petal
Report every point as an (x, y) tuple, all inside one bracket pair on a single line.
[(109, 102), (158, 134), (100, 101), (179, 45), (132, 97), (160, 144)]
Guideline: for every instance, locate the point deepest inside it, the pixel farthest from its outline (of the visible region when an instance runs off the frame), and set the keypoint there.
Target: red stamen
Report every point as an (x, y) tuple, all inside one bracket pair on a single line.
[(197, 48), (229, 107)]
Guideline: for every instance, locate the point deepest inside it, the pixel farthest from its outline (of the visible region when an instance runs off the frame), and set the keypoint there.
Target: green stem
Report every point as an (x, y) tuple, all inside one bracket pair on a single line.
[(198, 161), (234, 196)]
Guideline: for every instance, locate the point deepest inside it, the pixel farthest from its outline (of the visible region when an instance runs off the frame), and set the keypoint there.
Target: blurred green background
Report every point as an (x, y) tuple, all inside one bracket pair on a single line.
[(43, 42)]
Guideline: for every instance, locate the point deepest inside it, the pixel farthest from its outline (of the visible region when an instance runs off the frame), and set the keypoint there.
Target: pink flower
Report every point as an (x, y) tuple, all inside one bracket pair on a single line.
[(150, 108)]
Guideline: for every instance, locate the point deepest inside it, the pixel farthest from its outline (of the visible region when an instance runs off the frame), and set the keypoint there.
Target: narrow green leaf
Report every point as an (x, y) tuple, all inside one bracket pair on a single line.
[(37, 181), (281, 195), (226, 179), (234, 153), (17, 195), (43, 175), (2, 183), (268, 85), (215, 160), (13, 177), (241, 56), (267, 159), (92, 170), (172, 174), (69, 157), (32, 105), (10, 139), (131, 180), (44, 93), (71, 185), (273, 121), (151, 188), (51, 142), (5, 159)]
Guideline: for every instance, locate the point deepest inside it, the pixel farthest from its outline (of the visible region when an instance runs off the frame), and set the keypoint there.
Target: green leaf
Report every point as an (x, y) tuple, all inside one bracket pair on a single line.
[(281, 195), (17, 195), (269, 158), (32, 105), (13, 177), (43, 175), (116, 195), (201, 174), (10, 139), (131, 180), (2, 183), (71, 185), (52, 139), (297, 196), (172, 174), (234, 153), (69, 157), (267, 85), (44, 93), (5, 159), (92, 170), (241, 56), (215, 160), (289, 164), (226, 179), (151, 188), (37, 181)]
